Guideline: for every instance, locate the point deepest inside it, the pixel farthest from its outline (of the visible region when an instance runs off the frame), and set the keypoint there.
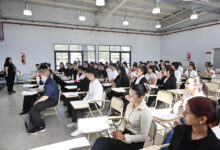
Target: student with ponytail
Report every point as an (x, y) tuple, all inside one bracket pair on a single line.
[(134, 128)]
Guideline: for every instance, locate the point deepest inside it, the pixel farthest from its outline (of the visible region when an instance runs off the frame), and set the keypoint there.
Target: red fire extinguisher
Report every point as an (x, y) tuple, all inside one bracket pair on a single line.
[(23, 58), (188, 56)]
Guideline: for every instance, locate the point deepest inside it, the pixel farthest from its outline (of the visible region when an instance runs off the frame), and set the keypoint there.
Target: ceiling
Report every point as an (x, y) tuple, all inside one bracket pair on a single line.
[(174, 13)]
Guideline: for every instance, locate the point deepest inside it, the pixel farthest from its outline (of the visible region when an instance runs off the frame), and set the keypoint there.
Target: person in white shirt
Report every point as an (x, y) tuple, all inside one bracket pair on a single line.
[(151, 76), (80, 75), (95, 93), (194, 87), (180, 68), (191, 72), (112, 74), (135, 126), (208, 72), (132, 74), (175, 66)]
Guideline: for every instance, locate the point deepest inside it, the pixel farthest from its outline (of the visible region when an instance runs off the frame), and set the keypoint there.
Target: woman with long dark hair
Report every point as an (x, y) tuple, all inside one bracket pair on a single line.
[(10, 71)]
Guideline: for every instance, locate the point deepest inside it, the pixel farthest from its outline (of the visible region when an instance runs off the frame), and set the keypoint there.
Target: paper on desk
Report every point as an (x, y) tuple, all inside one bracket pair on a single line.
[(71, 87), (163, 114), (118, 89), (70, 94), (71, 81), (96, 124), (28, 93), (29, 85), (107, 84)]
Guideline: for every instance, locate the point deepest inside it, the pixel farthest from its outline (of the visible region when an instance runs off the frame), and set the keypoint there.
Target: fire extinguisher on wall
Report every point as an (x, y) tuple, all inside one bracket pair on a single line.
[(23, 58), (188, 56)]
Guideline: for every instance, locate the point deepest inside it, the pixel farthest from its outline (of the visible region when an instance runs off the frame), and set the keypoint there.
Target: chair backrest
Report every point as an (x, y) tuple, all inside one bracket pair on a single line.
[(216, 80), (151, 135), (153, 131), (164, 97), (217, 70), (213, 87), (117, 104)]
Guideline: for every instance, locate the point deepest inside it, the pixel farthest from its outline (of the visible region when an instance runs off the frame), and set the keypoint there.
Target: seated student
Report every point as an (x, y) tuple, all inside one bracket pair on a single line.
[(49, 99), (102, 71), (140, 79), (73, 70), (67, 70), (175, 66), (112, 73), (37, 66), (194, 87), (62, 67), (83, 85), (168, 81), (120, 81), (95, 93), (180, 68), (161, 63), (191, 71), (80, 75), (156, 65), (125, 65), (134, 128), (208, 71), (132, 74), (151, 76), (196, 134)]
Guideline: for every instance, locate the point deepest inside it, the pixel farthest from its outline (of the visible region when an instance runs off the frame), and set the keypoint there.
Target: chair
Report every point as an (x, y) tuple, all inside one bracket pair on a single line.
[(152, 135), (52, 110), (118, 105), (214, 89), (99, 110), (164, 97), (216, 80)]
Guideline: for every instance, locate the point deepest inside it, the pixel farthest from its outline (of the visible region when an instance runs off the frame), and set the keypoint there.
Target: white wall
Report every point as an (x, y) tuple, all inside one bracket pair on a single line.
[(175, 47), (37, 42)]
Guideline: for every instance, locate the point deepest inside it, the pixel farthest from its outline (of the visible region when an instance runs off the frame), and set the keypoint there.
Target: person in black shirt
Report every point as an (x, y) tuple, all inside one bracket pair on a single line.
[(140, 79), (49, 99), (62, 67), (10, 72), (120, 81), (199, 115), (73, 71), (168, 81), (102, 72)]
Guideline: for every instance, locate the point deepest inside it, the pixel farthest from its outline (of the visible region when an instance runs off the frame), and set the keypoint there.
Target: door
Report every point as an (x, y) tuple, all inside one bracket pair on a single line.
[(216, 60)]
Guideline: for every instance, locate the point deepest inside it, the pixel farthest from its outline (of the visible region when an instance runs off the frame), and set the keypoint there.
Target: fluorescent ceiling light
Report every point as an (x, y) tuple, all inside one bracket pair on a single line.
[(194, 16), (27, 12), (156, 10), (158, 26), (82, 18), (125, 22), (100, 2)]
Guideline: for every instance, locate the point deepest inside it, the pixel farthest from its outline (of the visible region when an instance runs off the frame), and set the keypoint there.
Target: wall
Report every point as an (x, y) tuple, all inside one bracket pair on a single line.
[(175, 47), (37, 42)]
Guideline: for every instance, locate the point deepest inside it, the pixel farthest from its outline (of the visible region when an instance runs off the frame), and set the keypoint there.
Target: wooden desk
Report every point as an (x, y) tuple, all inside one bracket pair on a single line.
[(28, 93), (81, 104), (66, 145), (69, 82), (29, 85), (107, 84), (163, 115)]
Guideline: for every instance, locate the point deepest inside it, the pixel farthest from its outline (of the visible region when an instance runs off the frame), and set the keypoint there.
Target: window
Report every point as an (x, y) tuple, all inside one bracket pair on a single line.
[(114, 53), (73, 53)]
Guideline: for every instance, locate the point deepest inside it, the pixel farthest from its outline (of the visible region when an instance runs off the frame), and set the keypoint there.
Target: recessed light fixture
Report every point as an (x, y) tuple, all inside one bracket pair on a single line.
[(125, 22), (100, 2)]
